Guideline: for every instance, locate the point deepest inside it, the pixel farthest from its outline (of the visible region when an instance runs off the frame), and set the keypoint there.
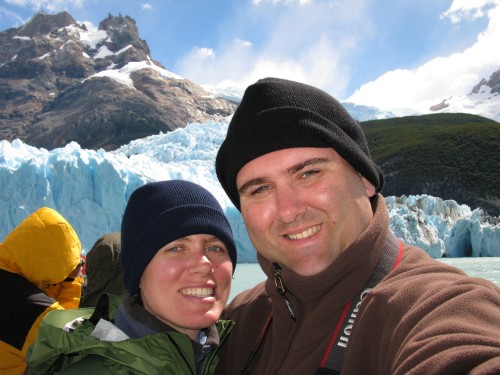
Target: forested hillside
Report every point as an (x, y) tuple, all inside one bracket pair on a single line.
[(452, 156)]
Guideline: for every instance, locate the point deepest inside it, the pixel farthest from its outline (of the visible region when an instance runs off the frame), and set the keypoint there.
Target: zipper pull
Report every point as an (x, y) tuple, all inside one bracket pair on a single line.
[(281, 290)]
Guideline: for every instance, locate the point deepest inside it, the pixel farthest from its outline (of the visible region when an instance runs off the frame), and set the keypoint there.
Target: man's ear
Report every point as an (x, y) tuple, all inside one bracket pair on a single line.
[(369, 188)]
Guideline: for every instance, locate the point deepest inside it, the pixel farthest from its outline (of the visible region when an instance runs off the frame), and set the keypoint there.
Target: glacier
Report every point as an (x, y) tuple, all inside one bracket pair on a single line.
[(91, 188)]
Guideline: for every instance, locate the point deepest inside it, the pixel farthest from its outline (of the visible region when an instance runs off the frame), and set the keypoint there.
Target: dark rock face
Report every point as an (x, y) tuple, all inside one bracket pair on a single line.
[(54, 88), (446, 187), (493, 82)]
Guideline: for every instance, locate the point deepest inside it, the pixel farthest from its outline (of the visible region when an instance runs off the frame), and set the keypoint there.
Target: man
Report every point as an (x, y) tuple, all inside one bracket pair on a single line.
[(40, 271), (343, 294)]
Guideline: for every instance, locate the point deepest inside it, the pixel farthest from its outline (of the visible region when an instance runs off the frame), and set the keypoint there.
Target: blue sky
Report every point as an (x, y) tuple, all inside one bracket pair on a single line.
[(385, 53)]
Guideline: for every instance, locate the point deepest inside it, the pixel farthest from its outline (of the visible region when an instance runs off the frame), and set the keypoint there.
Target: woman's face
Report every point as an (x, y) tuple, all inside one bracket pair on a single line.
[(187, 283)]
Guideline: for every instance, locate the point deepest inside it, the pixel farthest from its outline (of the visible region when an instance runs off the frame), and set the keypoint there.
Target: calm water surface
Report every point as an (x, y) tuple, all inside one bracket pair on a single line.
[(249, 274)]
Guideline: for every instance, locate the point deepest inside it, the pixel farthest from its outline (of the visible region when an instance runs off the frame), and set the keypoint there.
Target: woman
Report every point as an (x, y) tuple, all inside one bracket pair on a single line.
[(178, 257)]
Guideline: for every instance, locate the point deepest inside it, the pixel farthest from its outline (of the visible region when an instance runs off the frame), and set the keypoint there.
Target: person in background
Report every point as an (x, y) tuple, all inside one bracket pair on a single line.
[(40, 271), (103, 268), (343, 294), (178, 257)]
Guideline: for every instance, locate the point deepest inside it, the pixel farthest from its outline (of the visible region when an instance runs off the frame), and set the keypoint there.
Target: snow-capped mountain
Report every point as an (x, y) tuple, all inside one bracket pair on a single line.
[(61, 81), (483, 99)]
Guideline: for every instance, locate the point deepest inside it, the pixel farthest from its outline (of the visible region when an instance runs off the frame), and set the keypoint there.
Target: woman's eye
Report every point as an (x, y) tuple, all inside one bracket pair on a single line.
[(215, 248), (174, 249)]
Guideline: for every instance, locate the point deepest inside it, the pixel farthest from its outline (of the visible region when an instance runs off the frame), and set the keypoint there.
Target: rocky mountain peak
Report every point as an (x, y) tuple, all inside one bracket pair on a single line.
[(60, 82), (42, 23), (122, 32), (493, 82), (483, 99)]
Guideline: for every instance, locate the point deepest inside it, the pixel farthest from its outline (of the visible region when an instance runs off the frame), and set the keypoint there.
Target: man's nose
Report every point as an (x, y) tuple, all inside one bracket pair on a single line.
[(289, 204)]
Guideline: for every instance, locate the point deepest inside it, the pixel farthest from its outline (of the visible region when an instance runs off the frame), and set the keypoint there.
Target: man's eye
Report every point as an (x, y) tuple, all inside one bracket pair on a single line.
[(260, 189), (309, 173)]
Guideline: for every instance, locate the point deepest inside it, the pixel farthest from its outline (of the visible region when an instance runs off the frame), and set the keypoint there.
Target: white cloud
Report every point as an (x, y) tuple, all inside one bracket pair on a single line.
[(49, 5), (311, 47), (238, 64), (146, 6), (243, 43), (441, 77), (203, 53), (467, 9), (275, 2), (318, 47)]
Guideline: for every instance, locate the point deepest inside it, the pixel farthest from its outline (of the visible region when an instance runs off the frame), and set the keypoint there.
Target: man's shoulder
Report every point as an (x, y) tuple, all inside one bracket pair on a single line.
[(417, 263), (419, 274), (249, 301)]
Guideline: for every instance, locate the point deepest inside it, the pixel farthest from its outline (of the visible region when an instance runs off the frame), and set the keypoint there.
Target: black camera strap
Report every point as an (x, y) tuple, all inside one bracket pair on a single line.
[(334, 356)]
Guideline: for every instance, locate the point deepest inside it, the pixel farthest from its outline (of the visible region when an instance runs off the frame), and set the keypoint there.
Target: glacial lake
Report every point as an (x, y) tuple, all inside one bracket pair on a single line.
[(250, 274)]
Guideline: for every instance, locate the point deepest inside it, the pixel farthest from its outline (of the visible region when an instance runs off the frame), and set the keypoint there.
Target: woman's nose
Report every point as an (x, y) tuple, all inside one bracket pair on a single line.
[(202, 264)]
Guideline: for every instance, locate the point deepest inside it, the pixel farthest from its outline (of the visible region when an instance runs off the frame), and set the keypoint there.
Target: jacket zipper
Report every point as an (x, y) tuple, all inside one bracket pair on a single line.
[(222, 337), (281, 290)]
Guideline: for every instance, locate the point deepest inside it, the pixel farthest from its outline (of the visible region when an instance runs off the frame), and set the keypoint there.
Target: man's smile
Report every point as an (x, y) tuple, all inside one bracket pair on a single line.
[(307, 233)]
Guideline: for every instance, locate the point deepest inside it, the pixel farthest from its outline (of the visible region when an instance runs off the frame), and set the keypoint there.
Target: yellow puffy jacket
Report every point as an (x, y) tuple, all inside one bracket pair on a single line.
[(35, 259)]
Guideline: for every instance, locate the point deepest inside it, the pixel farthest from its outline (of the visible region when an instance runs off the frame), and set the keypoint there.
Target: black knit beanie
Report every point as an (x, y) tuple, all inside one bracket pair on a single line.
[(161, 212), (276, 114)]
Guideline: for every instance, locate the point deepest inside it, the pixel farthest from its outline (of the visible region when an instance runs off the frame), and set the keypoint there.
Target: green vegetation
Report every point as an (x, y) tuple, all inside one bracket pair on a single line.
[(440, 147)]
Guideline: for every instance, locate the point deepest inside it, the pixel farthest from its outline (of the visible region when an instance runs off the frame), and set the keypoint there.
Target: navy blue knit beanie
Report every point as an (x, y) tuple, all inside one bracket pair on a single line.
[(275, 114), (161, 212)]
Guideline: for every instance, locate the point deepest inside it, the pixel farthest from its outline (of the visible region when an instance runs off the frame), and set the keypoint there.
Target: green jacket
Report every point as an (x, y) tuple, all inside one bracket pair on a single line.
[(59, 351)]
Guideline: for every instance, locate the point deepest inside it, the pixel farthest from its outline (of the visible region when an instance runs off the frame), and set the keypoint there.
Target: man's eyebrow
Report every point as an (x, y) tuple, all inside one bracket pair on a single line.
[(253, 182), (293, 169), (306, 163)]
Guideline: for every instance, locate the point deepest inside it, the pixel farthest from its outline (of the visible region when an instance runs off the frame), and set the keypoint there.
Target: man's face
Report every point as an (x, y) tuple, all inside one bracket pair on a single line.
[(303, 206)]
